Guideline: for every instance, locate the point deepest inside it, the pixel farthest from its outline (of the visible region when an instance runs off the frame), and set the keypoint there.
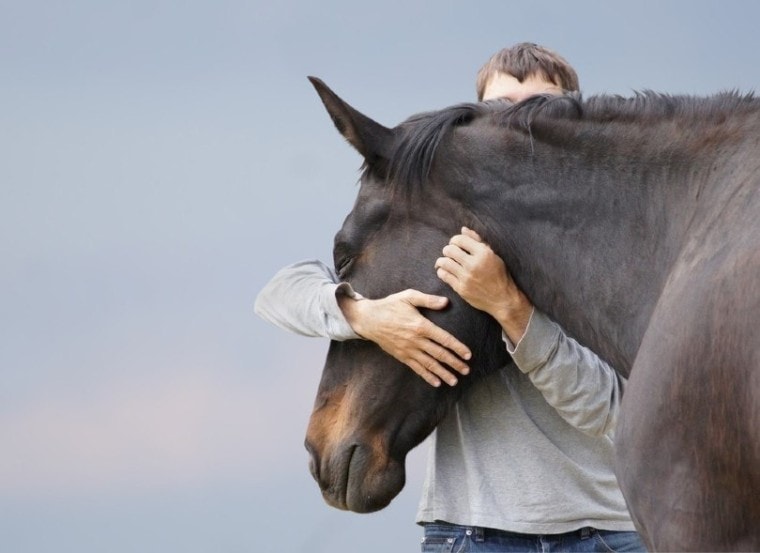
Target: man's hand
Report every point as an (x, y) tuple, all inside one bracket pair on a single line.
[(477, 274), (395, 324)]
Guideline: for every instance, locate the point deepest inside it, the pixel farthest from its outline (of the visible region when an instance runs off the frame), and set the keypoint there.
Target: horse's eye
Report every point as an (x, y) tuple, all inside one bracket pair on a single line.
[(343, 266)]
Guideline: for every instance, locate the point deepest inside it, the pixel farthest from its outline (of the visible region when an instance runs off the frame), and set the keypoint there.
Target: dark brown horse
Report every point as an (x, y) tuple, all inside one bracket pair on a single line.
[(635, 223)]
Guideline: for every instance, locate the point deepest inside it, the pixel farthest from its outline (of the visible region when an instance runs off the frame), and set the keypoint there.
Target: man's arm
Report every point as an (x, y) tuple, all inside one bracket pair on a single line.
[(307, 298), (301, 298), (583, 389)]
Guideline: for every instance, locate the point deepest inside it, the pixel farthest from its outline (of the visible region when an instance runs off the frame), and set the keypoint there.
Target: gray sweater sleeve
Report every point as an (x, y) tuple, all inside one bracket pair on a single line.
[(580, 386), (302, 298)]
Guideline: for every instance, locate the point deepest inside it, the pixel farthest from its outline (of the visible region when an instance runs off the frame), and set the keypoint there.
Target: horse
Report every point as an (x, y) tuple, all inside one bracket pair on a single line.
[(634, 223)]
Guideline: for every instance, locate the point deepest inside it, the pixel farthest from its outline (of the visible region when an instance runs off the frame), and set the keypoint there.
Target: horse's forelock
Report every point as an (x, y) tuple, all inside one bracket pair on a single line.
[(419, 138)]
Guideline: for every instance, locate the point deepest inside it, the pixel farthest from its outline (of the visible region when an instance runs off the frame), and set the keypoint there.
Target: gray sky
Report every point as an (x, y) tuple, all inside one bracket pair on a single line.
[(161, 160)]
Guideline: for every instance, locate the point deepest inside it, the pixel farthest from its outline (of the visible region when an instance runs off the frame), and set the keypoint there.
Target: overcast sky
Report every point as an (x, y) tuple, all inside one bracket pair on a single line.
[(160, 161)]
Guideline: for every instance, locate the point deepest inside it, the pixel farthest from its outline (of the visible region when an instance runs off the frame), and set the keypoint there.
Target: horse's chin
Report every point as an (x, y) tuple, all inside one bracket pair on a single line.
[(361, 482)]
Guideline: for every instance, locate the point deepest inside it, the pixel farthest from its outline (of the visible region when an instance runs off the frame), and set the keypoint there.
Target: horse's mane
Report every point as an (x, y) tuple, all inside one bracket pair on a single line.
[(421, 134)]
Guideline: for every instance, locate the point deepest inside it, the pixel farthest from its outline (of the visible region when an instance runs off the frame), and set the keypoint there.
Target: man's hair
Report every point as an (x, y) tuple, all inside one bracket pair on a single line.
[(527, 59)]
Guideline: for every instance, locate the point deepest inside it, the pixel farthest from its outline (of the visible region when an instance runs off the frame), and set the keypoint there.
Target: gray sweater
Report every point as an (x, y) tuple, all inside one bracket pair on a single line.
[(527, 449)]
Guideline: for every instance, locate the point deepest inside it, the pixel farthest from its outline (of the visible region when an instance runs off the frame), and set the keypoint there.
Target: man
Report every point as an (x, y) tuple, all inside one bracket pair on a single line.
[(524, 460)]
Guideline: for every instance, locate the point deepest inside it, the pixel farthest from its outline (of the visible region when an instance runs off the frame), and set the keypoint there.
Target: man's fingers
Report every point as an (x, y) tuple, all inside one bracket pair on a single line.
[(455, 253), (434, 361), (472, 234), (426, 375), (435, 333), (448, 343), (446, 357), (434, 370), (466, 243), (449, 266)]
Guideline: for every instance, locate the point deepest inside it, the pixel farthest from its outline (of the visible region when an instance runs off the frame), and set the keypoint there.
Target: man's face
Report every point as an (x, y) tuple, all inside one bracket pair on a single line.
[(504, 85)]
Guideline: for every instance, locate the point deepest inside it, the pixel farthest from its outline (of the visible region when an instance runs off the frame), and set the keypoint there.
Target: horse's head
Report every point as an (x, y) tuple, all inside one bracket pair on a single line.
[(371, 410)]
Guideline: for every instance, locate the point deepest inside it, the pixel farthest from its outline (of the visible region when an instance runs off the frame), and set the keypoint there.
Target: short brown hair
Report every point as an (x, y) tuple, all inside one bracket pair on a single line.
[(527, 59)]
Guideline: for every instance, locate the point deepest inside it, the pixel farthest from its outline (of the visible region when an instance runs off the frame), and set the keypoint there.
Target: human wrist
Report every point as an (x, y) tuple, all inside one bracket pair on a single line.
[(352, 311), (514, 315)]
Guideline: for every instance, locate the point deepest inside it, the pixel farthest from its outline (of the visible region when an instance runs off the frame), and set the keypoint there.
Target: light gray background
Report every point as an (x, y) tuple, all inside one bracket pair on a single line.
[(160, 160)]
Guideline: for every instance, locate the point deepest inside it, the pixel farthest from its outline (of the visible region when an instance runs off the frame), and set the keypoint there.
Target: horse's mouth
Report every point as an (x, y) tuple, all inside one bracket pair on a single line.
[(355, 481), (344, 477)]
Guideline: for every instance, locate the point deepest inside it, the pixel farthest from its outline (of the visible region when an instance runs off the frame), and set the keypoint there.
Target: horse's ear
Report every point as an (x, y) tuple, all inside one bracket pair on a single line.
[(371, 139)]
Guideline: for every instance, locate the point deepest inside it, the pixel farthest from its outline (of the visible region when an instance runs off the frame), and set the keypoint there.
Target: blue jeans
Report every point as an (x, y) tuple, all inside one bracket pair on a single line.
[(450, 538)]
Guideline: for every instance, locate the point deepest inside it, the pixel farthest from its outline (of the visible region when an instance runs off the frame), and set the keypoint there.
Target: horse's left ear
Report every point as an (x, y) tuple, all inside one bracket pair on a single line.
[(371, 139)]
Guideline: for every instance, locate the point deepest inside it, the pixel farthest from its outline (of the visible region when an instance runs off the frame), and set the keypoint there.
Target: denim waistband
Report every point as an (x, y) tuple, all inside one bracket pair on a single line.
[(480, 534)]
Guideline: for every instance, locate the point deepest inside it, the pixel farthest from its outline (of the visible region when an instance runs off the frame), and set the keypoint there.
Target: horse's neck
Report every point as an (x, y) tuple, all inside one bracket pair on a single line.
[(593, 248)]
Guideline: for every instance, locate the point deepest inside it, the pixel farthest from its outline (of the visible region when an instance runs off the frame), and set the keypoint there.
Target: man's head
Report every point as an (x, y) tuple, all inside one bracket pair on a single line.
[(524, 70)]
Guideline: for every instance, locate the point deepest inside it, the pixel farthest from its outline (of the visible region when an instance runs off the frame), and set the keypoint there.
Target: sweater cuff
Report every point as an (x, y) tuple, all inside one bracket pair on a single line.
[(335, 321), (535, 347)]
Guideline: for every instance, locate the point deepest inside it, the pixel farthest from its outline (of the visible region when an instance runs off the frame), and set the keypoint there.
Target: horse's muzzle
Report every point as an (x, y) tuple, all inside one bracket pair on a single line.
[(354, 477)]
